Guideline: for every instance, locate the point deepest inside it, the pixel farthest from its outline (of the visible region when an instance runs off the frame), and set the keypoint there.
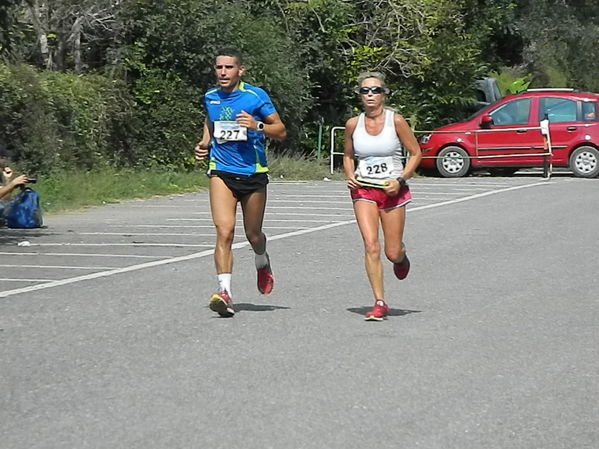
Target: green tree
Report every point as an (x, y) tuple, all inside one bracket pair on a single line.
[(8, 29), (561, 42), (180, 39), (72, 34)]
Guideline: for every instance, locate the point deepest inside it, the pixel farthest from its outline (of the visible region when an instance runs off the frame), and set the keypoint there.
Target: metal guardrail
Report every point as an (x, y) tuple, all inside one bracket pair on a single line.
[(333, 152)]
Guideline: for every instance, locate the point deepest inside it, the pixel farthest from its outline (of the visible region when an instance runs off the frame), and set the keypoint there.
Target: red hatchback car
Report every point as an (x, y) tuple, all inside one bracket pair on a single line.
[(497, 138)]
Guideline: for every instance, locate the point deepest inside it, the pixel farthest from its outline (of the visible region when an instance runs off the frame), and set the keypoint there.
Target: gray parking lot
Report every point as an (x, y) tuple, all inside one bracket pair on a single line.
[(106, 339)]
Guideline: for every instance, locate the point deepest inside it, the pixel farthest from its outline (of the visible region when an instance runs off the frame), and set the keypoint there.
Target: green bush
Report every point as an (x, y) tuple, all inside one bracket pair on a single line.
[(168, 120), (92, 113), (27, 131), (51, 121)]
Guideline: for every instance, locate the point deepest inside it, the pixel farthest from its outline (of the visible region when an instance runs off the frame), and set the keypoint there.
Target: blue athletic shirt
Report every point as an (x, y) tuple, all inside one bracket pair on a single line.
[(241, 157)]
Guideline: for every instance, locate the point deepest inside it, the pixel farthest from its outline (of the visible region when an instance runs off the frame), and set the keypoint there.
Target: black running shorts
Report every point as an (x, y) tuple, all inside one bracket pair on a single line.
[(242, 185)]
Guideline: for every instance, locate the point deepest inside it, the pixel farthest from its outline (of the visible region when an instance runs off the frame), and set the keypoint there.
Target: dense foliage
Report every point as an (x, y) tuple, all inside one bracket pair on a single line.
[(60, 120), (91, 83)]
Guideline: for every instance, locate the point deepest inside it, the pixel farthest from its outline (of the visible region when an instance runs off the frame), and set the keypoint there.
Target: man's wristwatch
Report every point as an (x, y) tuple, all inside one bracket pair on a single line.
[(402, 182), (260, 127)]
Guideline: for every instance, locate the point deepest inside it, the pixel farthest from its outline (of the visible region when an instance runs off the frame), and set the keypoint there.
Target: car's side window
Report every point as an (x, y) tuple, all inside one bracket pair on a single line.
[(557, 110), (512, 113), (589, 111)]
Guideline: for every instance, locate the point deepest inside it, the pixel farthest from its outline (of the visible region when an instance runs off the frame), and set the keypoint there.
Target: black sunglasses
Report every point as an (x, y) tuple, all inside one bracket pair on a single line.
[(374, 90)]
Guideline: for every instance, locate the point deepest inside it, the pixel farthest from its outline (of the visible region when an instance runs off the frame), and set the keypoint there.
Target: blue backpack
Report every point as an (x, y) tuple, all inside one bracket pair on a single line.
[(24, 210)]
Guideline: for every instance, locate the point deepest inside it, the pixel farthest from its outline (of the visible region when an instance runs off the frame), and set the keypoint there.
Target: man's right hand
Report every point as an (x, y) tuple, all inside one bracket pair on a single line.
[(201, 151), (19, 180)]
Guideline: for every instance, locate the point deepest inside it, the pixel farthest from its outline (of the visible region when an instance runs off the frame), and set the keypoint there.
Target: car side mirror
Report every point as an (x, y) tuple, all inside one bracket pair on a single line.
[(486, 121)]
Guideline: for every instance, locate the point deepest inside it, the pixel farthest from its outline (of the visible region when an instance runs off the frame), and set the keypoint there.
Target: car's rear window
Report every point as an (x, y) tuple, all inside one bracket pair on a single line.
[(557, 110)]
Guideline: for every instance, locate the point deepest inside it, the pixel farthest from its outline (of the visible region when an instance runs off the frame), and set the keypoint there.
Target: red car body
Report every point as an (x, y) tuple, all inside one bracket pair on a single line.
[(500, 138)]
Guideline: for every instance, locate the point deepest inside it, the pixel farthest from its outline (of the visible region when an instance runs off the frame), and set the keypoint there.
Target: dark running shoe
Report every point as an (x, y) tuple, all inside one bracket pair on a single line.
[(401, 269), (222, 304), (266, 280)]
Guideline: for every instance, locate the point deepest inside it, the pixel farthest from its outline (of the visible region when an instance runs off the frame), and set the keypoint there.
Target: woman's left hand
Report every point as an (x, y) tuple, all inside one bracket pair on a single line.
[(352, 183)]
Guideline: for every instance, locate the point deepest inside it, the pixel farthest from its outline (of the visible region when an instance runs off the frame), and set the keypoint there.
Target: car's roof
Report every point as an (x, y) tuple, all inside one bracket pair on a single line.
[(555, 92)]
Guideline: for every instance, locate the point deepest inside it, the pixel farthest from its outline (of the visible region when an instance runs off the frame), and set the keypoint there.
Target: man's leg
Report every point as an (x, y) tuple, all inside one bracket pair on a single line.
[(253, 206), (223, 206)]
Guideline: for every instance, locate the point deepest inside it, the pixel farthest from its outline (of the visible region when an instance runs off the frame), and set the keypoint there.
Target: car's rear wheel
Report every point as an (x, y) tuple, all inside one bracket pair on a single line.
[(453, 162), (584, 162)]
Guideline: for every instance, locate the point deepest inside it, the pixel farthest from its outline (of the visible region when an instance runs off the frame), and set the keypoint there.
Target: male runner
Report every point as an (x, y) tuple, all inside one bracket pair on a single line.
[(238, 116)]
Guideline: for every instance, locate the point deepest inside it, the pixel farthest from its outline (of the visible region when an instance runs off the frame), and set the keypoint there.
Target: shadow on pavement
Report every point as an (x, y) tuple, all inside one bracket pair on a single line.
[(10, 236), (392, 312), (257, 307)]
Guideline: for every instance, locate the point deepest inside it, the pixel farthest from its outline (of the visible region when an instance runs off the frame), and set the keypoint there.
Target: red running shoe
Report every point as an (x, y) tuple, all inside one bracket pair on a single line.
[(222, 304), (379, 312), (266, 280), (401, 269)]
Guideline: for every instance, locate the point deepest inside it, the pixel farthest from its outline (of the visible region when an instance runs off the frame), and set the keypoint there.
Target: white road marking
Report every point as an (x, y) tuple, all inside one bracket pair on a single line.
[(268, 217), (433, 189), (456, 185), (26, 280), (188, 226), (207, 212), (125, 234), (58, 267), (133, 256), (182, 245), (309, 208), (424, 194), (206, 253), (282, 199), (266, 220), (479, 195), (334, 200)]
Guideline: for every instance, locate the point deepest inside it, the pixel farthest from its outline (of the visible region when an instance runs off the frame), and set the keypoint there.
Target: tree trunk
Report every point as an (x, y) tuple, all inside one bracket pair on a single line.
[(61, 48), (76, 34), (40, 26)]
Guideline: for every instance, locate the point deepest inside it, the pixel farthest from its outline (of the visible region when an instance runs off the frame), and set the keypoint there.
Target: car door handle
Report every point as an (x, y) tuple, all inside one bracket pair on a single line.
[(571, 128), (521, 131)]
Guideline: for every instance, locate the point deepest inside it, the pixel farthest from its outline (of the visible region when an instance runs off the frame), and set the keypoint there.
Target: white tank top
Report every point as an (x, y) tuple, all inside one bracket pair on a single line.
[(379, 157)]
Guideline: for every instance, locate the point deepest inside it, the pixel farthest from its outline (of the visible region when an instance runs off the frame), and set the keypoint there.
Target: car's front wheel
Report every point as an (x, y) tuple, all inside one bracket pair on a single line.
[(453, 162), (584, 162)]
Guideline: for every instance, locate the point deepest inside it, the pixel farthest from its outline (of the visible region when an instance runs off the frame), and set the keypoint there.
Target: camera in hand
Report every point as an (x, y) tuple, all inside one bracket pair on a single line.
[(31, 180)]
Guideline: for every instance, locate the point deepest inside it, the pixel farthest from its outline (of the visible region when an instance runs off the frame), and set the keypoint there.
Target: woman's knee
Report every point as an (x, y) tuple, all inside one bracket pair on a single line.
[(394, 253), (372, 247)]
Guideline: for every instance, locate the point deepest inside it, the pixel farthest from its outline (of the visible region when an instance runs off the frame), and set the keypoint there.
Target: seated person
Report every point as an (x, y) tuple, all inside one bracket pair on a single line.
[(8, 185)]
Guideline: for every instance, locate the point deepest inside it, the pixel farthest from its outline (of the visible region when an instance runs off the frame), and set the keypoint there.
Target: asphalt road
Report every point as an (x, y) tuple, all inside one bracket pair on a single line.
[(106, 340)]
